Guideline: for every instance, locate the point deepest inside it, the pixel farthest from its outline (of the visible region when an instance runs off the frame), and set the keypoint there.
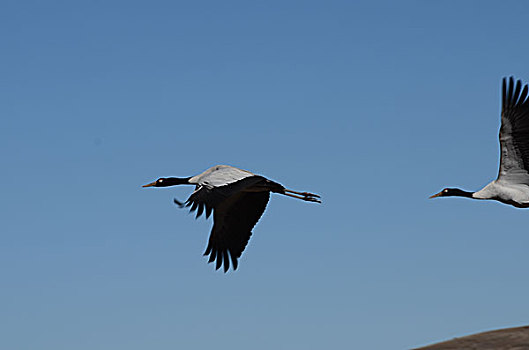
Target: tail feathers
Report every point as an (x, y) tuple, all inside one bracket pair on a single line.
[(275, 187)]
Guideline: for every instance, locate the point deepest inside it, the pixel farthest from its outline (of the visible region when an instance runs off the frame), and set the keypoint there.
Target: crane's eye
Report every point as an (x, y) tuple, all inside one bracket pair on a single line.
[(160, 181), (445, 190)]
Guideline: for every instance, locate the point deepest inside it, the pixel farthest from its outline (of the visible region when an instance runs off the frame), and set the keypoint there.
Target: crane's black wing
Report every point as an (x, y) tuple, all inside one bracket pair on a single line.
[(233, 221), (236, 211), (205, 199), (514, 133)]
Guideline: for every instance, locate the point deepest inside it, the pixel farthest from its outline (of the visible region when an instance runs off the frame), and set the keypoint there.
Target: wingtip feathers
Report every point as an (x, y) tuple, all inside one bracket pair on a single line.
[(222, 259), (514, 92)]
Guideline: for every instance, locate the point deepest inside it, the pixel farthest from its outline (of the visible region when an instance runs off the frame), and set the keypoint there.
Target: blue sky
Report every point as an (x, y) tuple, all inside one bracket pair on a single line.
[(373, 105)]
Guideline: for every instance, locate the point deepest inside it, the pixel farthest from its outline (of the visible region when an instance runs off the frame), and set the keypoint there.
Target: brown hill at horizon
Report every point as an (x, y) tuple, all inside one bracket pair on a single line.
[(516, 338)]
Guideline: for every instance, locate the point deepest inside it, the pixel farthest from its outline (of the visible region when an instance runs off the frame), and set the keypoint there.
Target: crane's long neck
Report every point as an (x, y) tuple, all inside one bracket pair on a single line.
[(456, 192), (173, 181)]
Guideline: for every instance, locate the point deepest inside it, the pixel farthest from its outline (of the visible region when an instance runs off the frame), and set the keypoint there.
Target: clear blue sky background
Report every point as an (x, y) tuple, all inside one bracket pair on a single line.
[(373, 105)]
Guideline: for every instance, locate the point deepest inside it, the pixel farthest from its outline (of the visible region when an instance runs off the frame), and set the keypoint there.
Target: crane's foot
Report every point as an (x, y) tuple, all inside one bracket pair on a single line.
[(306, 196), (311, 199)]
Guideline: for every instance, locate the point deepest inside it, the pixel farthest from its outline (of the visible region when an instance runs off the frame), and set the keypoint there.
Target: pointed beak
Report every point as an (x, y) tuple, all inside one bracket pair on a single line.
[(436, 195), (150, 185)]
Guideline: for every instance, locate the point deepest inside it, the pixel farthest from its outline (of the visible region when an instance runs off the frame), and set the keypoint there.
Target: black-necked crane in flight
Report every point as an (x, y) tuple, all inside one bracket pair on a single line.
[(512, 185), (237, 198)]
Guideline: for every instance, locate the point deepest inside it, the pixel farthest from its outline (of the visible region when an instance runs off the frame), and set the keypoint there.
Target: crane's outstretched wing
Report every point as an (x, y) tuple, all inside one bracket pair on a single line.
[(235, 214), (514, 133), (206, 198), (234, 220), (220, 175)]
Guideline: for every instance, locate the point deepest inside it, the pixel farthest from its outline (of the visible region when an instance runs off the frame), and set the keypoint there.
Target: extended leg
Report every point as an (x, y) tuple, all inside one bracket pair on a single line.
[(306, 196)]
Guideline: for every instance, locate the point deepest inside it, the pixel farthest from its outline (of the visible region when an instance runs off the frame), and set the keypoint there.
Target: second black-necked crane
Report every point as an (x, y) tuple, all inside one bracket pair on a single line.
[(237, 199), (512, 185)]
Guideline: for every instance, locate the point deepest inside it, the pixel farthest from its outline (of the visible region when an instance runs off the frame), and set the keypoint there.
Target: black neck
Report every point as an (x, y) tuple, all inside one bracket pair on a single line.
[(173, 181), (460, 193)]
